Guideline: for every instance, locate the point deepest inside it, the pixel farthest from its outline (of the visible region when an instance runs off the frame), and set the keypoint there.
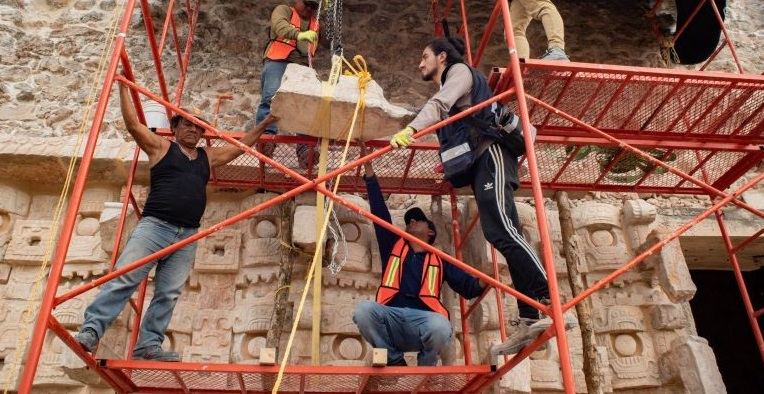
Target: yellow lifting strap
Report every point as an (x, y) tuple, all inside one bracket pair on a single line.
[(364, 77)]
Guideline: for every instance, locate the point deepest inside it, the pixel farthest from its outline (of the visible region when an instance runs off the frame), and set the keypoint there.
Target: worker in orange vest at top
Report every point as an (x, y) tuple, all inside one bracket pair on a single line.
[(293, 37), (407, 315)]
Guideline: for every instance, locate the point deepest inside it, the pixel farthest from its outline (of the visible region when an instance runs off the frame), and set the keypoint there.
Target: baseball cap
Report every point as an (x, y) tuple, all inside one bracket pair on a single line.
[(418, 215)]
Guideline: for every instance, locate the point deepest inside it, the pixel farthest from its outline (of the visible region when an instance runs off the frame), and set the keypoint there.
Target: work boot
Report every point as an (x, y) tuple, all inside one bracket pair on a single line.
[(555, 53), (156, 354), (303, 155), (87, 338)]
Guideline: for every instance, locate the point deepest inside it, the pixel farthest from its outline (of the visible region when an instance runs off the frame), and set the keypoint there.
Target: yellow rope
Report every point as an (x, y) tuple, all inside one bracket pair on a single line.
[(363, 78), (26, 318)]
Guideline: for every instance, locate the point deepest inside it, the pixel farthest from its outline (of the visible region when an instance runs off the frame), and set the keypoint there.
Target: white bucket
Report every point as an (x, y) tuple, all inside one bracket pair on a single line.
[(156, 115)]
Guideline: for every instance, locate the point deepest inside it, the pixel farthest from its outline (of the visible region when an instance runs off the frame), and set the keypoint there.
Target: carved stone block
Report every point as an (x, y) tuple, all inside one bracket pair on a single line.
[(28, 242), (304, 232), (219, 252), (599, 225), (691, 362), (109, 221), (670, 266)]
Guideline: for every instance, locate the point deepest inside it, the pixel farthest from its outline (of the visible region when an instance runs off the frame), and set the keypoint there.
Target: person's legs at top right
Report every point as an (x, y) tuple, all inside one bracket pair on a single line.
[(270, 81), (520, 20), (554, 29)]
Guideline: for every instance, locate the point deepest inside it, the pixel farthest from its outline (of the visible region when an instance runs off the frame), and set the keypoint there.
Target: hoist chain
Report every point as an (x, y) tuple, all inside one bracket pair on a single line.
[(334, 26)]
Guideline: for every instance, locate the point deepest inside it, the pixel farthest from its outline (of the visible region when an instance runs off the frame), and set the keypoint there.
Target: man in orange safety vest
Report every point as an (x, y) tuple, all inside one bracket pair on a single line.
[(407, 315), (293, 37)]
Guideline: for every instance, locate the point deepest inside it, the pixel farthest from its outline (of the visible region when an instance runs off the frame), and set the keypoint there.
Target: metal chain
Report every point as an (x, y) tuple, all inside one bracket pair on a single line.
[(335, 27)]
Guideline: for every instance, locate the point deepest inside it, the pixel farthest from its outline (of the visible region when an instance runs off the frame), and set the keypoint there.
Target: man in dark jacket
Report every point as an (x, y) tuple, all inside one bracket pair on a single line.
[(407, 315), (492, 176)]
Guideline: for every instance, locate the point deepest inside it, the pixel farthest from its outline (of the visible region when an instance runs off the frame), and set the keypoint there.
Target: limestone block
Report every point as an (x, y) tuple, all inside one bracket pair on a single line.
[(670, 266), (304, 232), (301, 94), (667, 317), (379, 357), (28, 242), (692, 363), (85, 255), (13, 200), (93, 200), (219, 252), (599, 225), (630, 349), (638, 215), (267, 356), (109, 221)]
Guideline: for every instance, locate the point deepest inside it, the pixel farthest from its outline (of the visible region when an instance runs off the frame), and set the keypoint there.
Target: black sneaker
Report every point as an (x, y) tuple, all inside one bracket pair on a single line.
[(156, 354), (87, 338)]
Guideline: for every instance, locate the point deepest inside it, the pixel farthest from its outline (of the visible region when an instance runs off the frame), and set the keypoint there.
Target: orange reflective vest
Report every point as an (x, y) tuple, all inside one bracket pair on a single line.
[(281, 47), (432, 278)]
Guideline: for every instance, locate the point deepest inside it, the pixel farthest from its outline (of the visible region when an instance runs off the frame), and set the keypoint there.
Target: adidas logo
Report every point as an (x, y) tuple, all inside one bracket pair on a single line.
[(488, 186)]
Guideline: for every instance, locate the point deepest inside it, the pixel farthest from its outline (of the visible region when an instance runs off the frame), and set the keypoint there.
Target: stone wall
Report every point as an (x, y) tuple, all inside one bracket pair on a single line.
[(48, 75)]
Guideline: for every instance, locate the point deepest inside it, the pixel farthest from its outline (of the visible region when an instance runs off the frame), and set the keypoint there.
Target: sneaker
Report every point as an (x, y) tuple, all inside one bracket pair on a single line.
[(526, 331), (156, 354), (555, 54), (519, 338), (87, 338)]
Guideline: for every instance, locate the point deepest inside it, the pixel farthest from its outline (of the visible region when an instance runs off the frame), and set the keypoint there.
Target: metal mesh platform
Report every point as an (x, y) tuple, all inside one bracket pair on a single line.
[(692, 121), (159, 377)]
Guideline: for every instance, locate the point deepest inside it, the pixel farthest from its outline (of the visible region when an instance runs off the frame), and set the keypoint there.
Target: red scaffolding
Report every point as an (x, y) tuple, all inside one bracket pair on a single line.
[(603, 128)]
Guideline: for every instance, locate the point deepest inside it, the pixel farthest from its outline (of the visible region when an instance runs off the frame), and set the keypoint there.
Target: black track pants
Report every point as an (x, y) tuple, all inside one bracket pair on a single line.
[(495, 174)]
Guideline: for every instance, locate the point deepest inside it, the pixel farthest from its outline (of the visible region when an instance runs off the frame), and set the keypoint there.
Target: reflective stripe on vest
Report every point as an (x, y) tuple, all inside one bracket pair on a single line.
[(281, 47), (432, 278)]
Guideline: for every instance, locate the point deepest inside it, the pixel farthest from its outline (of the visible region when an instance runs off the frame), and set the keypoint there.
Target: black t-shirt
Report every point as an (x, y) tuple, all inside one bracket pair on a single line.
[(178, 192)]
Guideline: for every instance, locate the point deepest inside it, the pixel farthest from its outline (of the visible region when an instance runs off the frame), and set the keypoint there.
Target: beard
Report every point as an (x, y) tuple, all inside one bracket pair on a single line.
[(429, 76)]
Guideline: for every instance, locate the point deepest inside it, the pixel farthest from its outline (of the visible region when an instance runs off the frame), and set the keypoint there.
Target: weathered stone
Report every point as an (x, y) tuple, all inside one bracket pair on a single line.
[(301, 92), (670, 267), (691, 362)]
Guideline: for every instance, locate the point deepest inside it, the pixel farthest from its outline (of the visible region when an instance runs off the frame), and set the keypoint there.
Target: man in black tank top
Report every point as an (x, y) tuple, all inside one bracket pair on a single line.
[(175, 205)]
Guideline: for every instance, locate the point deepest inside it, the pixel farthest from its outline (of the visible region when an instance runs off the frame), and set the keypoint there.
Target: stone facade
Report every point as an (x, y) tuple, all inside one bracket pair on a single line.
[(643, 326)]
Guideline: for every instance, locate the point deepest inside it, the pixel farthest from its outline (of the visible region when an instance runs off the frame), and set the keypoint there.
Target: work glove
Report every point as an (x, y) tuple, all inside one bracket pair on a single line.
[(308, 35), (403, 138)]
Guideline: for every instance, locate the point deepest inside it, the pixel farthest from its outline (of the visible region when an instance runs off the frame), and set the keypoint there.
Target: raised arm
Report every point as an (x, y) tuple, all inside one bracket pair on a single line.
[(221, 155), (154, 145)]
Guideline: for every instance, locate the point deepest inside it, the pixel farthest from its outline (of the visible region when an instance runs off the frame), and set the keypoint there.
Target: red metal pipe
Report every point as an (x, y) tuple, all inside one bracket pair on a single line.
[(548, 256), (307, 184), (740, 280), (681, 230), (487, 35), (465, 26), (155, 54), (470, 228), (748, 241), (689, 19), (714, 55), (166, 25), (466, 345), (649, 158), (46, 306), (187, 53), (727, 36)]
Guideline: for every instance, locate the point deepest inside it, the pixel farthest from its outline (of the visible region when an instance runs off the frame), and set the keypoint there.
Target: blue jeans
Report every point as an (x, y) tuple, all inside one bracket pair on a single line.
[(270, 81), (150, 235), (402, 330)]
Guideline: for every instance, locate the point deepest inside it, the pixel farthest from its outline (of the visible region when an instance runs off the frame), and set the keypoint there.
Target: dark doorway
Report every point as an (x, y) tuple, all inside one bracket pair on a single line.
[(721, 319)]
